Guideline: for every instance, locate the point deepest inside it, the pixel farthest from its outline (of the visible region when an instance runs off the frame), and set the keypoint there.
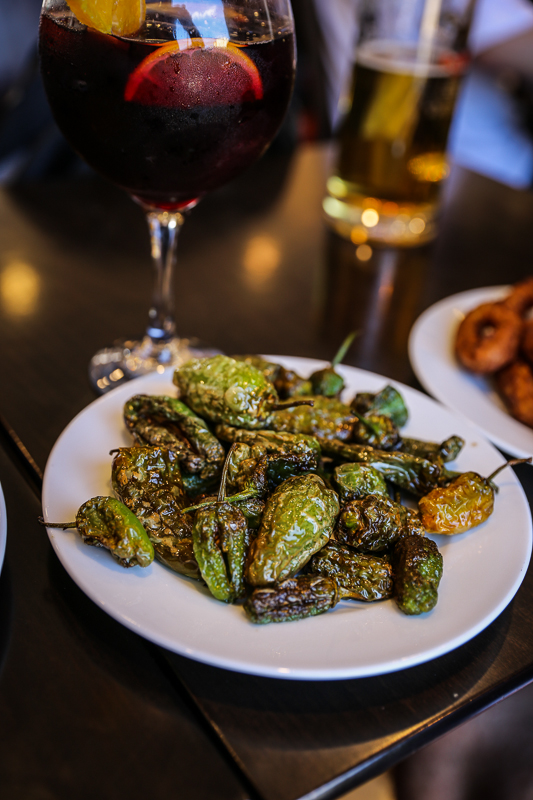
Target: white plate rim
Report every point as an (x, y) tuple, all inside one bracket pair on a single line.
[(283, 667), (430, 353)]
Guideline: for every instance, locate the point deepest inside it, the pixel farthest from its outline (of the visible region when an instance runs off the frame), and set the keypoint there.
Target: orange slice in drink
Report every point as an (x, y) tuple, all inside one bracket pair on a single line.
[(120, 17), (195, 72)]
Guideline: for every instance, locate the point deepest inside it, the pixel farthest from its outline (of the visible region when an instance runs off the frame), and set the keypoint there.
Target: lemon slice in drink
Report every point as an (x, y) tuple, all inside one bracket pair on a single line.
[(120, 17), (195, 72)]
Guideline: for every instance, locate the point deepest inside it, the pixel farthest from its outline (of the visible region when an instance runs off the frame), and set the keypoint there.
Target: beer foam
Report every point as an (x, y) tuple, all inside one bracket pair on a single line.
[(406, 58)]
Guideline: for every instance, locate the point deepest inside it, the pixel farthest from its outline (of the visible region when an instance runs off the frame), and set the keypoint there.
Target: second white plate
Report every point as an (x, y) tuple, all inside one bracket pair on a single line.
[(431, 351), (354, 639)]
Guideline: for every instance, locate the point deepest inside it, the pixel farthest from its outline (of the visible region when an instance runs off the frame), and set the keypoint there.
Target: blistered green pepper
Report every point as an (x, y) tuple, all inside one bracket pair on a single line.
[(370, 524), (298, 521), (448, 450), (166, 421), (376, 430), (417, 568), (265, 441), (388, 402), (466, 502), (412, 473), (264, 474), (293, 599), (327, 381), (269, 368), (221, 538), (327, 418), (358, 576), (106, 522), (148, 481), (224, 390), (289, 384), (357, 480)]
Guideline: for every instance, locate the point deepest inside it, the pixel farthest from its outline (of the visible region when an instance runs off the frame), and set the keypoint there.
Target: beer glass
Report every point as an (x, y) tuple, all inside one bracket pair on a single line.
[(409, 61)]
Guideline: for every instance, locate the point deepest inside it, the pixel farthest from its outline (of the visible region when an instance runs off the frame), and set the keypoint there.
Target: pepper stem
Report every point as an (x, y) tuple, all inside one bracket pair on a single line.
[(292, 404), (365, 422), (510, 463), (63, 525), (343, 349), (235, 498), (224, 476)]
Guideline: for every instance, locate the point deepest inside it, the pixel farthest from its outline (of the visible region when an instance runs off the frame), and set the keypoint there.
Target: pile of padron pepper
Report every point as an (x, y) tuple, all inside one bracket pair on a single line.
[(270, 490)]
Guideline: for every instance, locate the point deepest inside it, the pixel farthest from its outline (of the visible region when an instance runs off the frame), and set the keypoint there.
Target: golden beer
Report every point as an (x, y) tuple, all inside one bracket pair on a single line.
[(392, 143)]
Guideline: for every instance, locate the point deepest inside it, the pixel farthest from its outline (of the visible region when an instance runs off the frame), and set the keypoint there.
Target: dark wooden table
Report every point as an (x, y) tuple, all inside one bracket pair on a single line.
[(87, 707)]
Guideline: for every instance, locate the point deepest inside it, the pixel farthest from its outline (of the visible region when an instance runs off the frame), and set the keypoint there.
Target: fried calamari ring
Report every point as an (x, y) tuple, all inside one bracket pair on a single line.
[(488, 338), (515, 384), (521, 298), (527, 340)]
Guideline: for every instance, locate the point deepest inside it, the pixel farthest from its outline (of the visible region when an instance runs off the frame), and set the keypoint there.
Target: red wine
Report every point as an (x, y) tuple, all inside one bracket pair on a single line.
[(166, 124)]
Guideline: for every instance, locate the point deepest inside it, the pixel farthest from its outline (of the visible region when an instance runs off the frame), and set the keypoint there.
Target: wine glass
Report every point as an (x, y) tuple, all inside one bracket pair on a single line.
[(169, 100)]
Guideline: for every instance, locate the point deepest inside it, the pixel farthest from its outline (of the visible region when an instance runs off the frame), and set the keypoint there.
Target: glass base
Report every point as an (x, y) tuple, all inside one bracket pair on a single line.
[(126, 360), (369, 219)]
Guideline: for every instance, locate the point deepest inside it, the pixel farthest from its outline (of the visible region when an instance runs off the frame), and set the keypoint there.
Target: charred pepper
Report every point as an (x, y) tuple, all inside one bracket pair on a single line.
[(417, 567), (370, 524), (376, 430), (357, 480), (294, 598), (358, 576), (412, 473), (221, 538), (148, 481), (297, 522), (388, 401), (448, 450), (166, 421), (327, 418), (106, 522)]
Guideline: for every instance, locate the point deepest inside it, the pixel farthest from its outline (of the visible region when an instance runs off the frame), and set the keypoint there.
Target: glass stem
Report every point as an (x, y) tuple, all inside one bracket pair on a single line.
[(164, 229)]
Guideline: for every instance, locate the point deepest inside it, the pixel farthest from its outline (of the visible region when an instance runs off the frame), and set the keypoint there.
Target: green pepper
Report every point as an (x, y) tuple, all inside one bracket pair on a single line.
[(327, 382), (269, 369), (298, 521), (293, 599), (417, 568), (289, 384), (466, 502), (220, 539), (370, 524), (165, 421), (376, 430), (388, 402), (412, 473), (357, 480), (358, 576), (448, 450), (148, 481), (265, 441), (106, 522), (327, 418), (224, 390)]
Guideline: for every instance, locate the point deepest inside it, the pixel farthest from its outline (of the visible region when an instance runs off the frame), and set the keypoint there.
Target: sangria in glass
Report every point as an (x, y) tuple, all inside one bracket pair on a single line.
[(169, 100)]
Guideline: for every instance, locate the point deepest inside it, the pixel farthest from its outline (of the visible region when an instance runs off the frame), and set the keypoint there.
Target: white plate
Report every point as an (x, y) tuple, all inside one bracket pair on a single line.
[(355, 639), (431, 351), (3, 527)]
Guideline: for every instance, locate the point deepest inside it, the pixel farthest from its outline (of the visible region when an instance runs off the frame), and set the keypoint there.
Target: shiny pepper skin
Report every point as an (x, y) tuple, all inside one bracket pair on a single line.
[(106, 522), (298, 521), (358, 576), (327, 419), (417, 567), (222, 389), (220, 539), (448, 450), (159, 420), (357, 480), (466, 502), (293, 599), (388, 401), (370, 524)]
